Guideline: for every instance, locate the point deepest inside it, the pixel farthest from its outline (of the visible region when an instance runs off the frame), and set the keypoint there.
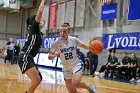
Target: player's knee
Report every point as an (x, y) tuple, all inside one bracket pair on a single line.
[(75, 83), (36, 81)]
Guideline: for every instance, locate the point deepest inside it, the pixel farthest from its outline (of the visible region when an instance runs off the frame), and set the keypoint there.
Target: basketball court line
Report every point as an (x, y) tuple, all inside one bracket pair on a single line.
[(112, 88)]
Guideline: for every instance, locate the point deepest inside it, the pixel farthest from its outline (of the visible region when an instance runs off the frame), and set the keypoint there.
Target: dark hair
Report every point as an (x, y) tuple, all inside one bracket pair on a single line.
[(30, 20), (125, 53), (133, 53), (112, 50), (66, 25)]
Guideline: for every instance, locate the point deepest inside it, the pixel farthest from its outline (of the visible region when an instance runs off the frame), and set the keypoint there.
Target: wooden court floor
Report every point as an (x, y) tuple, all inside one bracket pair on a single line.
[(12, 81)]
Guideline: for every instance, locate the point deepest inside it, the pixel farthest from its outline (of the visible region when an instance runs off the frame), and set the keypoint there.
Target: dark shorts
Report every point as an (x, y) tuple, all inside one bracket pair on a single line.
[(25, 62)]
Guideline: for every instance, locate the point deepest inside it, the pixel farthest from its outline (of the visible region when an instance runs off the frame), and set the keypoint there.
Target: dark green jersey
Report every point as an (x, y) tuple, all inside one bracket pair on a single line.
[(134, 61), (34, 40), (113, 60), (126, 60), (108, 58)]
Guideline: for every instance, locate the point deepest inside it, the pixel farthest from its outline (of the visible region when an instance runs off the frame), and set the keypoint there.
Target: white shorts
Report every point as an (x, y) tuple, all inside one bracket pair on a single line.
[(79, 68)]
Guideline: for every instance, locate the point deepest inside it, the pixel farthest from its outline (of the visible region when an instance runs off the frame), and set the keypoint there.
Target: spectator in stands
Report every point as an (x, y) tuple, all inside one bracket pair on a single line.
[(103, 68), (1, 55), (133, 67), (93, 60), (10, 50), (124, 66), (138, 81), (138, 69), (111, 66), (16, 52)]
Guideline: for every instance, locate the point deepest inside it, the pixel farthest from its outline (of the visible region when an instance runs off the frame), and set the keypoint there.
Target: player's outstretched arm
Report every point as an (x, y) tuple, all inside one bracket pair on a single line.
[(85, 46), (40, 11)]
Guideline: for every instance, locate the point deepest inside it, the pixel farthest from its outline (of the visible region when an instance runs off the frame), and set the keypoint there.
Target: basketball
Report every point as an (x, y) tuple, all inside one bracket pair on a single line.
[(96, 47)]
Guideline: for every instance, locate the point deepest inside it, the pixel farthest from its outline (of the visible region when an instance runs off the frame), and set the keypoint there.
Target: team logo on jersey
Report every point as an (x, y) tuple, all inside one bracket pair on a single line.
[(67, 49)]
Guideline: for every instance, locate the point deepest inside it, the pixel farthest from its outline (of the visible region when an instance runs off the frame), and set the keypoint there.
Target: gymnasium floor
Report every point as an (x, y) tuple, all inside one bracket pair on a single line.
[(12, 81)]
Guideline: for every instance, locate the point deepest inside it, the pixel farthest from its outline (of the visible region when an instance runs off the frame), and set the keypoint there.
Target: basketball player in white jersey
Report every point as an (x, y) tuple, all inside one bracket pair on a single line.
[(65, 47)]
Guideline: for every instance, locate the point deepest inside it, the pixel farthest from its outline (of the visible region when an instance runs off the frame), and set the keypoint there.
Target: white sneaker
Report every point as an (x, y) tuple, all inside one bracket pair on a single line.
[(92, 89), (96, 77), (138, 81), (132, 80)]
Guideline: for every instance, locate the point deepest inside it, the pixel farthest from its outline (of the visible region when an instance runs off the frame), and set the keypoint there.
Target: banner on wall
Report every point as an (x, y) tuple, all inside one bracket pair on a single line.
[(52, 16), (12, 4), (134, 13), (109, 12), (126, 41), (21, 42), (46, 41)]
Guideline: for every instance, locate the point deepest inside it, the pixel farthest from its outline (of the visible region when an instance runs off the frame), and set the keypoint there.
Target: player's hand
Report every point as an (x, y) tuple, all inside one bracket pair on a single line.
[(57, 53)]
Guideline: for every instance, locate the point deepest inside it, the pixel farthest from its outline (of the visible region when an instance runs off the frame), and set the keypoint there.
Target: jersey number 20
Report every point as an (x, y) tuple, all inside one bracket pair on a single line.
[(68, 55)]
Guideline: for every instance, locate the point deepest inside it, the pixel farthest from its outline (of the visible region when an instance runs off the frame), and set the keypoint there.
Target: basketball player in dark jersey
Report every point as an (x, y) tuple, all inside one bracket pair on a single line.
[(34, 40)]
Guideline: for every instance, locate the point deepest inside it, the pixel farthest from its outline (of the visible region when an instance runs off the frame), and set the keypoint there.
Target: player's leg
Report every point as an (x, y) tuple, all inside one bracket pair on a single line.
[(28, 67), (91, 67), (76, 79), (35, 77), (95, 64), (67, 77), (70, 87)]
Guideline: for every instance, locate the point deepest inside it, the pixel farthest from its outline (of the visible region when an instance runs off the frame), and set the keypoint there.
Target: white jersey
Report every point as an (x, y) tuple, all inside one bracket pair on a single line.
[(67, 50)]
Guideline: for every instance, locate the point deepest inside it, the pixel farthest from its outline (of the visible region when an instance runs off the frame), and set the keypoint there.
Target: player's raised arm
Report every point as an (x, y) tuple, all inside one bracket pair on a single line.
[(40, 10)]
